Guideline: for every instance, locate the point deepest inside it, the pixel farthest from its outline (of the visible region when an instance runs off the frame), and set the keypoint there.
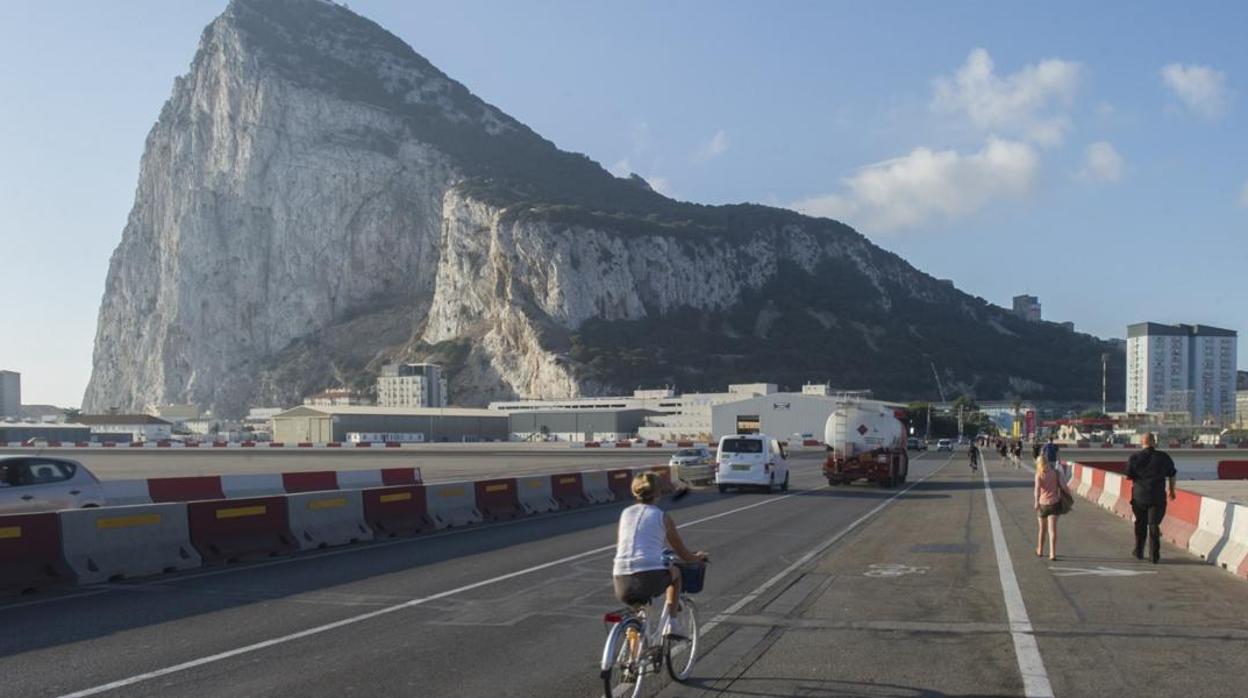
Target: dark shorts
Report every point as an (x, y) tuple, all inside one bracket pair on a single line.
[(1047, 510), (638, 588)]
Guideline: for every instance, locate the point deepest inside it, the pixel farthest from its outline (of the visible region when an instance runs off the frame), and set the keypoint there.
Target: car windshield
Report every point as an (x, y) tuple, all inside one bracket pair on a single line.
[(687, 452), (743, 446)]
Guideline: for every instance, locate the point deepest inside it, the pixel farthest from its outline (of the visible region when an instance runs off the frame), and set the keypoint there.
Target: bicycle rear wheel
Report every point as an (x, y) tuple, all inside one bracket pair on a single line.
[(679, 653), (622, 672)]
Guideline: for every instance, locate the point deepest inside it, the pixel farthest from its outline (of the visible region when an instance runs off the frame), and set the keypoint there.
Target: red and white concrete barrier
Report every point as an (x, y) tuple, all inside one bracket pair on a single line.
[(1212, 528)]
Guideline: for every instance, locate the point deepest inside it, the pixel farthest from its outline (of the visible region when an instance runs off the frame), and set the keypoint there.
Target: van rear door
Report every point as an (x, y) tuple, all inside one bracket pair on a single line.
[(742, 456)]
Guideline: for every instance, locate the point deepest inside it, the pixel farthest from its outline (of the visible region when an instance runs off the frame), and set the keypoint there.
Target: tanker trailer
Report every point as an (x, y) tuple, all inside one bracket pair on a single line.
[(866, 442)]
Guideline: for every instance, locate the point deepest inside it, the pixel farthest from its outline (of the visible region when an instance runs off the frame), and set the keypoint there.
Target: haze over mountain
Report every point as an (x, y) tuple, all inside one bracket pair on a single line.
[(317, 199)]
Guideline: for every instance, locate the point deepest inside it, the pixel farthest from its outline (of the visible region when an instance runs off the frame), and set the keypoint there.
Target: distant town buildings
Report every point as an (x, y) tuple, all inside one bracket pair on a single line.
[(411, 385), (336, 397), (1182, 369), (1241, 408), (1027, 307), (178, 414), (10, 394), (1068, 326)]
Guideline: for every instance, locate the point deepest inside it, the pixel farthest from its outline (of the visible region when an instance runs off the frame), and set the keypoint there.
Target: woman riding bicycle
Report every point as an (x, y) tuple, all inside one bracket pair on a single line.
[(645, 531)]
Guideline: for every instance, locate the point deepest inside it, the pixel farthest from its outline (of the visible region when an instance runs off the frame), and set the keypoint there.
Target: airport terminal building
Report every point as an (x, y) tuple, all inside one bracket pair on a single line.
[(375, 424)]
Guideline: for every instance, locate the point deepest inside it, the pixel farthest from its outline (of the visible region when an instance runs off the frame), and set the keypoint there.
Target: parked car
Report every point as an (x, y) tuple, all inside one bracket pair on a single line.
[(751, 460), (693, 464), (31, 484), (944, 445), (916, 444)]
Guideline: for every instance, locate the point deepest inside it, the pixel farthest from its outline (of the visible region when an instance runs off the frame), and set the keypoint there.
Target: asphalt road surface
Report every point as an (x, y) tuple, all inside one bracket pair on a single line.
[(823, 591)]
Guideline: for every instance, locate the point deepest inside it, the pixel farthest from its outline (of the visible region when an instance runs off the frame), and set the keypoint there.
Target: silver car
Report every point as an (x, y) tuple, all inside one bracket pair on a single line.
[(692, 464), (30, 484)]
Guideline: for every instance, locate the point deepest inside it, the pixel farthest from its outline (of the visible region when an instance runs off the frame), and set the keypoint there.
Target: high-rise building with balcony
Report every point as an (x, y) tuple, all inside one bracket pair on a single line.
[(411, 385), (1182, 368)]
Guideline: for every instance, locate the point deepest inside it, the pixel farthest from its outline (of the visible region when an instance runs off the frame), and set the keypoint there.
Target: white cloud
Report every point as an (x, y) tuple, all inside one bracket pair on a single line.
[(1200, 87), (926, 186), (1243, 196), (1101, 163), (714, 147), (1031, 104)]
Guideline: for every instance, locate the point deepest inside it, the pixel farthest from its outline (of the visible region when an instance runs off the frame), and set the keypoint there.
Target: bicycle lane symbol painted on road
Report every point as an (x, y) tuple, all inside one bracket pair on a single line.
[(892, 569)]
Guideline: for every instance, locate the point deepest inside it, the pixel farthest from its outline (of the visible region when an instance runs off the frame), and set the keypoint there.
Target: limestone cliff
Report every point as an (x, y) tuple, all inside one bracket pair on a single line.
[(316, 198)]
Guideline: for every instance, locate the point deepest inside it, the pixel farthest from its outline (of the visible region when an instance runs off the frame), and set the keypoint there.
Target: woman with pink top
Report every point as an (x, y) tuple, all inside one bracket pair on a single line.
[(1048, 499)]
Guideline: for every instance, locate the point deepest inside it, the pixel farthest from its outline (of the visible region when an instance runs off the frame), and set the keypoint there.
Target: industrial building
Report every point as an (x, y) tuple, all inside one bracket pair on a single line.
[(1182, 369), (577, 425), (336, 397), (10, 394), (663, 415), (15, 432), (136, 427), (376, 424), (411, 385)]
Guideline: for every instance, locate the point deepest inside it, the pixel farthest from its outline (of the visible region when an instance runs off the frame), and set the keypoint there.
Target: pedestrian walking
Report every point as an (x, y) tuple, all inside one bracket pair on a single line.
[(1050, 450), (1051, 499), (1149, 470)]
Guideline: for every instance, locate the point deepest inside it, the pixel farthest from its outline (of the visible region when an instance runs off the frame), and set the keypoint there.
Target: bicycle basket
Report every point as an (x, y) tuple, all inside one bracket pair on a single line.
[(692, 575)]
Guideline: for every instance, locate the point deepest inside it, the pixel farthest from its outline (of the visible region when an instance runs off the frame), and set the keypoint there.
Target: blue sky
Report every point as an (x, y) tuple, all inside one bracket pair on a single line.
[(1093, 154)]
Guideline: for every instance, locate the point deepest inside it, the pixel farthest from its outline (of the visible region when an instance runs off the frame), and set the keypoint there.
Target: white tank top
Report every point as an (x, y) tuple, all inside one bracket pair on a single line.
[(640, 541)]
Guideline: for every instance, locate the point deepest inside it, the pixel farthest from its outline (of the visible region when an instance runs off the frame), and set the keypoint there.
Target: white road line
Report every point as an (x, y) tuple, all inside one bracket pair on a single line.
[(139, 678), (1030, 665), (741, 603)]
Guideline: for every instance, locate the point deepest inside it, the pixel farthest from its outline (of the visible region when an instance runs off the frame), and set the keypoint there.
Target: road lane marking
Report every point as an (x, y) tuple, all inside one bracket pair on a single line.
[(1026, 650), (1099, 571), (139, 678), (892, 569), (817, 550)]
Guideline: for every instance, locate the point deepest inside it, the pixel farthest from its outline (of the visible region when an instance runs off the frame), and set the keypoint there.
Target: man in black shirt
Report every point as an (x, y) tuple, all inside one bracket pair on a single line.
[(1149, 470)]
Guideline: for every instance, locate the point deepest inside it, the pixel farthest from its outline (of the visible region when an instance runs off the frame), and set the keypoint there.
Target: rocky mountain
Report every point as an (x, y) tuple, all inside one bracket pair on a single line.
[(316, 199)]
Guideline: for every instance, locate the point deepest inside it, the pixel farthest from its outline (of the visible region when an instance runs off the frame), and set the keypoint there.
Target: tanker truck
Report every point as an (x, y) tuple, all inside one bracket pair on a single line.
[(866, 442)]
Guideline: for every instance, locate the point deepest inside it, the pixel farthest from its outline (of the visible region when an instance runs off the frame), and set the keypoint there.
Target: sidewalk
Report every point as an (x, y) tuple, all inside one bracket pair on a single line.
[(912, 603)]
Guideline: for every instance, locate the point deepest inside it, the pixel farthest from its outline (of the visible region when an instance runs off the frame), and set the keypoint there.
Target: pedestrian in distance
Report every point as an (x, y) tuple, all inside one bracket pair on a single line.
[(1047, 499), (974, 452), (1050, 450), (1149, 470)]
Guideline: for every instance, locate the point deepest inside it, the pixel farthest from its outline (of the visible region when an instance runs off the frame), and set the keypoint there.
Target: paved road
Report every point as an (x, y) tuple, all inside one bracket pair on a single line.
[(821, 592)]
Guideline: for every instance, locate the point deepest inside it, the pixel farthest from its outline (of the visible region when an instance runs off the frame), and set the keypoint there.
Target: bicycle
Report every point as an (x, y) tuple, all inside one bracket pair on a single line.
[(625, 662)]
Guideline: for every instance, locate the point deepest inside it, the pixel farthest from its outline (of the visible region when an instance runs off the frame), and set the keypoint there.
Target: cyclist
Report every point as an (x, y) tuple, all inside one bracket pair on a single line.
[(645, 531), (974, 451)]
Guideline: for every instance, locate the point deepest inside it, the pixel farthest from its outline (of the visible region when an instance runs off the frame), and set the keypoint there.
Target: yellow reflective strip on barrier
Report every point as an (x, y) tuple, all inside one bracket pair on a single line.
[(396, 497), (10, 532), (128, 521), (571, 480), (238, 512), (335, 503), (497, 488), (534, 484), (452, 492), (620, 476)]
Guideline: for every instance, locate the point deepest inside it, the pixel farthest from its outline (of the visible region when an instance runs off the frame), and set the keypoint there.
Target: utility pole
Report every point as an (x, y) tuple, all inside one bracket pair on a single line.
[(927, 434)]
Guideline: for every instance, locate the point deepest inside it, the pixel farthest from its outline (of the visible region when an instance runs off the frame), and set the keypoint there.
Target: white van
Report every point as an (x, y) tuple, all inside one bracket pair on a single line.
[(751, 460)]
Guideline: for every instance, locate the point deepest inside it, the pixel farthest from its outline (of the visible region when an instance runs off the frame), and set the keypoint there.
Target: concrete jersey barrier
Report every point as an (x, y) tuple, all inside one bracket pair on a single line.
[(30, 553), (102, 545), (497, 499), (327, 518), (452, 504), (1214, 529), (535, 494), (234, 529), (596, 486), (397, 511)]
